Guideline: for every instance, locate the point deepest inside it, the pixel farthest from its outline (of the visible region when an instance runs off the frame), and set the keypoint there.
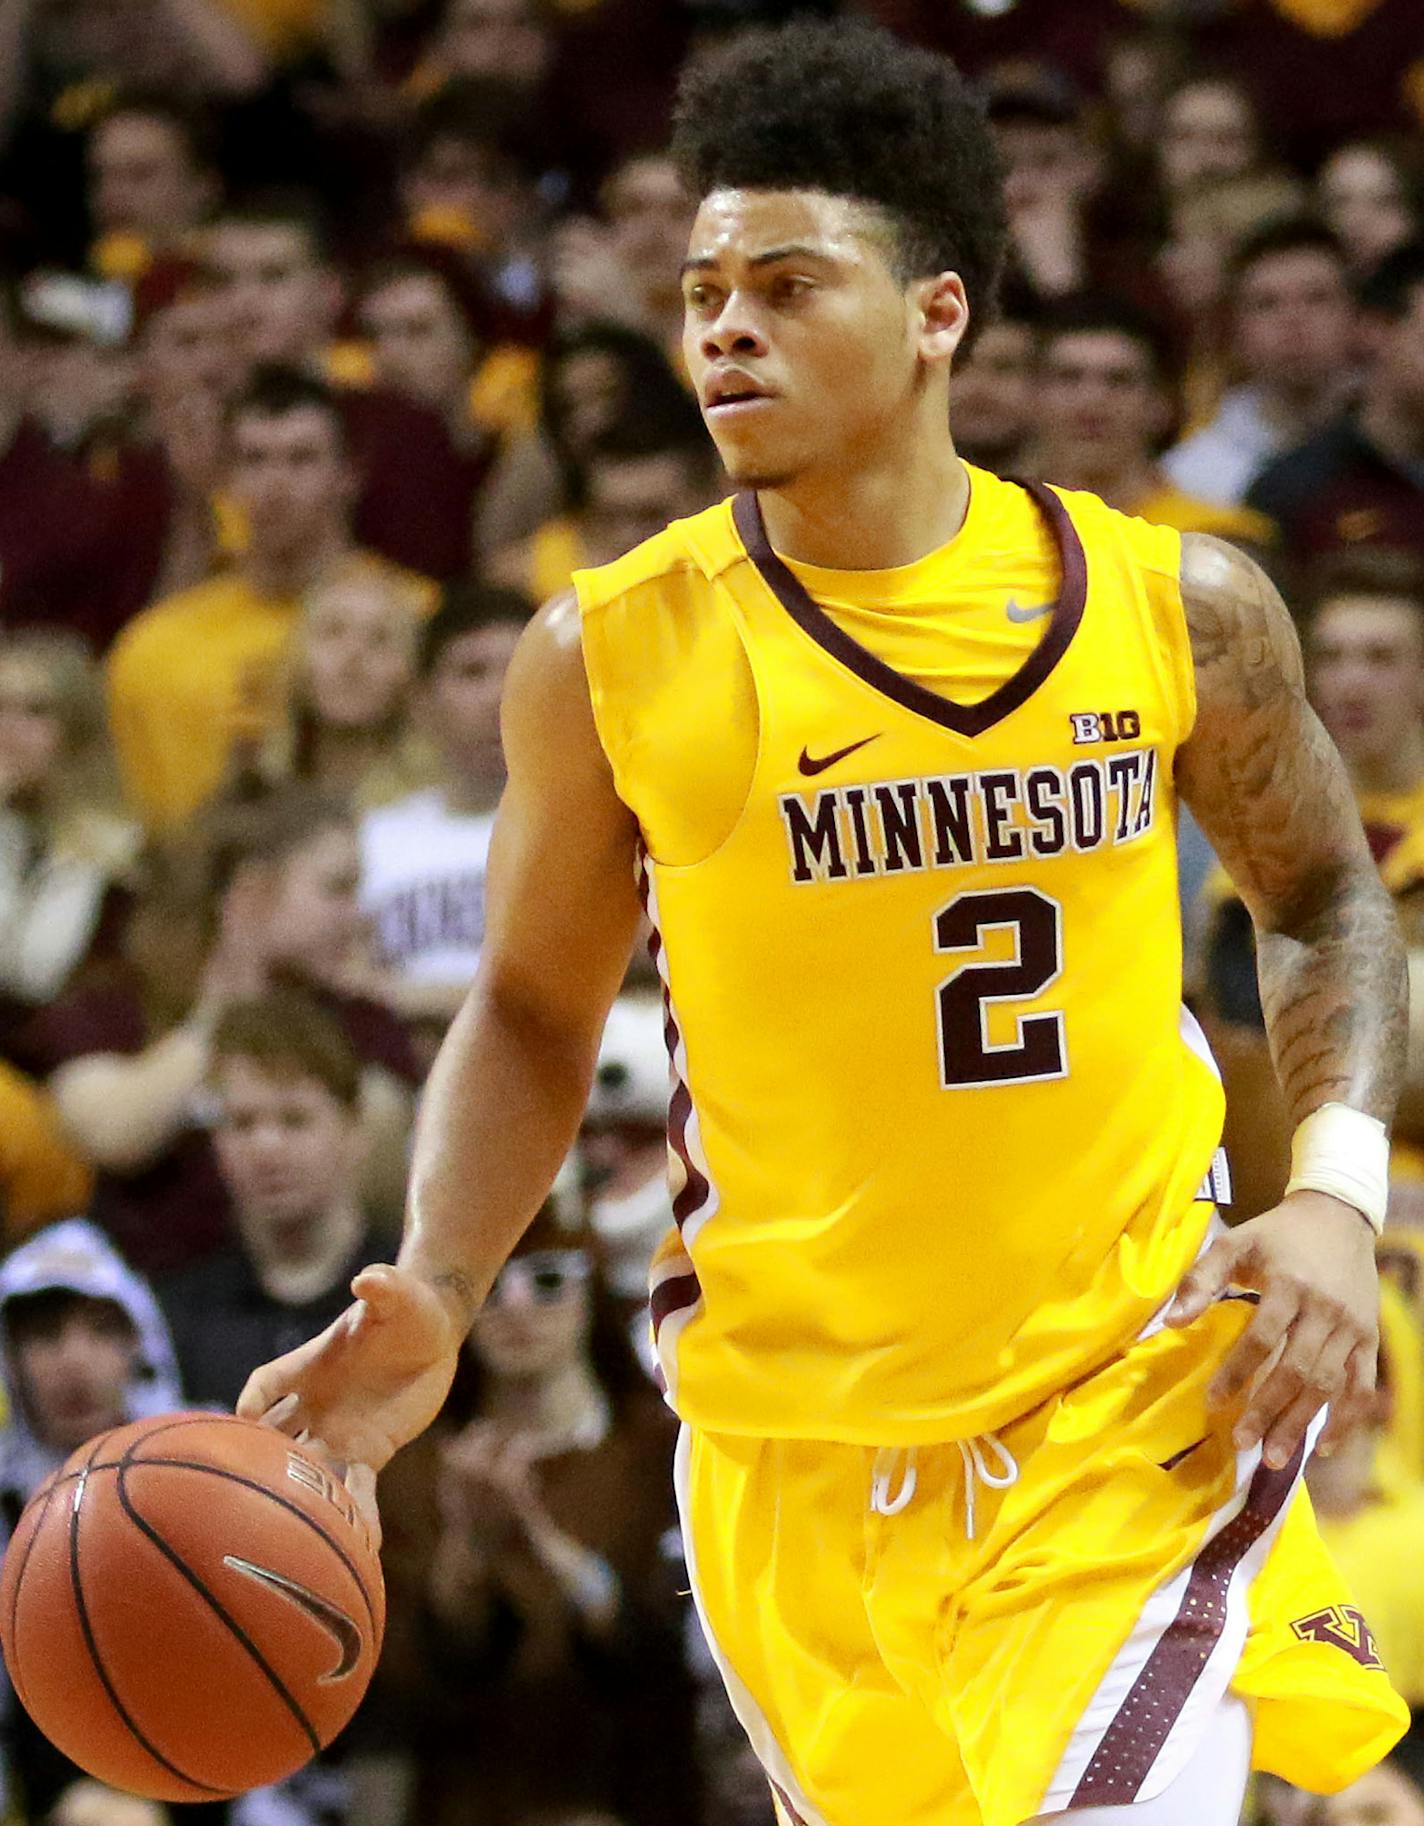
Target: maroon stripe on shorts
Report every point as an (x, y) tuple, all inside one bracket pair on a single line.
[(675, 1294), (1133, 1741)]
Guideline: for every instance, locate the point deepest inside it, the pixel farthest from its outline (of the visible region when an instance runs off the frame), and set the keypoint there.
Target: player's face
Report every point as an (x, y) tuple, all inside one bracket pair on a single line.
[(73, 1371), (1384, 1797), (462, 694), (798, 336), (1366, 665), (287, 1148), (358, 652)]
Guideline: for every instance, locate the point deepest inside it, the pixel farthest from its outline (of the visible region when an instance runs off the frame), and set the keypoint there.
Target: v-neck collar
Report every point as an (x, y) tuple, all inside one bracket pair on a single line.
[(963, 719)]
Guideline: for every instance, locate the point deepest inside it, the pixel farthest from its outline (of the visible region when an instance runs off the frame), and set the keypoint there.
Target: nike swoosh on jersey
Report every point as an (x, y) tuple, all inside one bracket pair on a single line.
[(344, 1631), (1015, 613), (819, 766)]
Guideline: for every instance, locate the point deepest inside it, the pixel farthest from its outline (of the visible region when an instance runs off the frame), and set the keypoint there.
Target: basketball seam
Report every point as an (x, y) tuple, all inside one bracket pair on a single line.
[(86, 1628), (19, 1684), (190, 1464), (214, 1603)]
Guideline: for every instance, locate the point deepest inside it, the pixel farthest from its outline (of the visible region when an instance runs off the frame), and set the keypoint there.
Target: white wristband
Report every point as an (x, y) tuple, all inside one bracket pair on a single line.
[(1346, 1153)]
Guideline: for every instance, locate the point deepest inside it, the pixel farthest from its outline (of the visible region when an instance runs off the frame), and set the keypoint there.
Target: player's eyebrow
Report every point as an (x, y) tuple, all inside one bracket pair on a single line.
[(793, 250)]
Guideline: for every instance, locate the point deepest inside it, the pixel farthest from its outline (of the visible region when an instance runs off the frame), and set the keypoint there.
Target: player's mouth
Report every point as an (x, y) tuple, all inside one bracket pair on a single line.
[(730, 393)]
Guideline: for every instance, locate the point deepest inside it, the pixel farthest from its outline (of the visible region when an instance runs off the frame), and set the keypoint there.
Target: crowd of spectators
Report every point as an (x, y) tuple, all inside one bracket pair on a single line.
[(335, 335)]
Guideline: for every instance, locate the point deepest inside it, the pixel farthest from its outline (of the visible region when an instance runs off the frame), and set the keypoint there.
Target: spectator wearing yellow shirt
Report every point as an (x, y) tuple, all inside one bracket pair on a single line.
[(1105, 410), (151, 182), (197, 672), (41, 1177)]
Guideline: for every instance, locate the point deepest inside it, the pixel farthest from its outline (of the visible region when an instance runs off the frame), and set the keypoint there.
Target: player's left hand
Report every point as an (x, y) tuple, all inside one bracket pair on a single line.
[(1315, 1332)]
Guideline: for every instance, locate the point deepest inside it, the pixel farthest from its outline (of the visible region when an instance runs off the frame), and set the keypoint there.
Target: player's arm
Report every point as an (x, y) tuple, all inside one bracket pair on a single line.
[(507, 1092), (1272, 795)]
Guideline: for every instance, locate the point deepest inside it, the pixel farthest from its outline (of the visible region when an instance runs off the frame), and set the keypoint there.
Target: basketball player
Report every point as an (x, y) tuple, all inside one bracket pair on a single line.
[(990, 1474)]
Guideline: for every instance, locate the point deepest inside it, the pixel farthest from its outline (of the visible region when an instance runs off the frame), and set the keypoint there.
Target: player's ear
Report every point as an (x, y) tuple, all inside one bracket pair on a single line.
[(942, 316)]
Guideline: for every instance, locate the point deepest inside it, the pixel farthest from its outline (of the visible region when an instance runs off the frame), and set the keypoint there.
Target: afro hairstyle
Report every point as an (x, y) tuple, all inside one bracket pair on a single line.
[(850, 111)]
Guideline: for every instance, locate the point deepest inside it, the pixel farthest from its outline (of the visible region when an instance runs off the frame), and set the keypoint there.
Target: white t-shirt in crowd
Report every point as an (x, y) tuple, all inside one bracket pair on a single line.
[(423, 886)]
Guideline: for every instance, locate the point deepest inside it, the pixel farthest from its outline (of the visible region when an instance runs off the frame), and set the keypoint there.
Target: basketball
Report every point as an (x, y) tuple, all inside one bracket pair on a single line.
[(191, 1607)]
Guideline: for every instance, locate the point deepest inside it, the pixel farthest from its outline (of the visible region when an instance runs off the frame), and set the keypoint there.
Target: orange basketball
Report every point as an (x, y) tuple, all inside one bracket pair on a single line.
[(191, 1607)]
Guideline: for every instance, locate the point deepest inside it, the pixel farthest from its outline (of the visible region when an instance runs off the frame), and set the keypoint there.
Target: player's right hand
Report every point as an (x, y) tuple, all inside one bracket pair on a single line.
[(370, 1382)]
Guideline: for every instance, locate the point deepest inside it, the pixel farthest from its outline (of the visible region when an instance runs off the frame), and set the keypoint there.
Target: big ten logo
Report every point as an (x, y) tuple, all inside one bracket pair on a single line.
[(311, 1476), (1105, 726), (1343, 1627)]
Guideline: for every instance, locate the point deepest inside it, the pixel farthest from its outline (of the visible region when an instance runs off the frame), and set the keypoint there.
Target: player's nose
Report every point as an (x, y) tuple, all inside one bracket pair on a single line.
[(735, 332)]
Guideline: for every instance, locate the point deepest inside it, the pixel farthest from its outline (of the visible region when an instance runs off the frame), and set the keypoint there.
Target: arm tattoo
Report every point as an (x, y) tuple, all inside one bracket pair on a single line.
[(1270, 792), (461, 1289)]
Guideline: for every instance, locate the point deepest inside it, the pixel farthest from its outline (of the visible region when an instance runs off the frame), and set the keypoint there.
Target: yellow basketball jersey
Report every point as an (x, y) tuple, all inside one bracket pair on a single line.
[(939, 1123)]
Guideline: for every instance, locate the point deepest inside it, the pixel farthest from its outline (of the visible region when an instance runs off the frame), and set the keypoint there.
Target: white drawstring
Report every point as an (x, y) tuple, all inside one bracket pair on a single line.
[(972, 1452), (886, 1462), (889, 1460)]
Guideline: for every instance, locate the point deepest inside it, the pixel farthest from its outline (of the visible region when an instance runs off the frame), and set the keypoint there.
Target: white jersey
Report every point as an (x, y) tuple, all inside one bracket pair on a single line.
[(423, 886)]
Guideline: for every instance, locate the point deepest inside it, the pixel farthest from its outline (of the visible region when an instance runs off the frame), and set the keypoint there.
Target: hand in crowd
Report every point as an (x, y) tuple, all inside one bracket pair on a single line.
[(239, 963), (486, 1486)]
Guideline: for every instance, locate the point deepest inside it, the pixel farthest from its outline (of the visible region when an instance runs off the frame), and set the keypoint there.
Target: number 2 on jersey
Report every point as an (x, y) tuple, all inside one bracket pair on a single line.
[(968, 1059)]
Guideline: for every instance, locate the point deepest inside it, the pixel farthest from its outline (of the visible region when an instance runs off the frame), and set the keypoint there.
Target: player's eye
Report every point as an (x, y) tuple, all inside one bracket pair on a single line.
[(791, 287)]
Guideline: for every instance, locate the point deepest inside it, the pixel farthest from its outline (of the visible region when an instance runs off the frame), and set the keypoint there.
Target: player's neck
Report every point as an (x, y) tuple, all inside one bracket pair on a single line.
[(874, 517)]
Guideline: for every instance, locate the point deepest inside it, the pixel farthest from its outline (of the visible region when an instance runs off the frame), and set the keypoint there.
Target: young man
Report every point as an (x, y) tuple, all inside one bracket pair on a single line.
[(193, 673), (424, 857), (1293, 324), (978, 1466), (1104, 406), (287, 1090)]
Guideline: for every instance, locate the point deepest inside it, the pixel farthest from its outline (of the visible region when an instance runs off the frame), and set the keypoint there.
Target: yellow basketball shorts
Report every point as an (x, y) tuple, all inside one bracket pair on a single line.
[(974, 1633)]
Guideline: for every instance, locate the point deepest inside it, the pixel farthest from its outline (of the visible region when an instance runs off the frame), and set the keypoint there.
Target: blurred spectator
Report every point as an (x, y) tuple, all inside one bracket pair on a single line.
[(1052, 170), (41, 1177), (425, 339), (540, 1657), (59, 548), (90, 1803), (994, 398), (626, 268), (1361, 479), (470, 181), (78, 374), (1369, 193), (1210, 133), (1390, 1795), (623, 1153), (346, 726), (1104, 409), (415, 490), (1292, 340), (269, 900), (151, 182), (591, 379), (195, 674), (287, 1128), (423, 856), (511, 40), (85, 1348), (639, 476), (65, 845)]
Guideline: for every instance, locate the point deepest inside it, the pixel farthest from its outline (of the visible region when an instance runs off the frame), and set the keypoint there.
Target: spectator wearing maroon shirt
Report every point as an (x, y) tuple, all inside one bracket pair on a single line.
[(269, 898), (415, 503), (1361, 479), (59, 547)]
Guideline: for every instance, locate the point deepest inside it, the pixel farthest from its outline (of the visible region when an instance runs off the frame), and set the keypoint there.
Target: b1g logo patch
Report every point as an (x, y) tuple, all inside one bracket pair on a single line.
[(1104, 726), (1343, 1627)]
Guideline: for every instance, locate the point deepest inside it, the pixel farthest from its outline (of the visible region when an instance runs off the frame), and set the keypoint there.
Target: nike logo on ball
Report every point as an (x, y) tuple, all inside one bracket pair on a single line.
[(819, 766), (344, 1631), (1015, 613)]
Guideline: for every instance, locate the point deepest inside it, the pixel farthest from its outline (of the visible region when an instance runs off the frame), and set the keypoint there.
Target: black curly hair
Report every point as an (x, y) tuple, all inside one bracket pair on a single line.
[(849, 110)]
